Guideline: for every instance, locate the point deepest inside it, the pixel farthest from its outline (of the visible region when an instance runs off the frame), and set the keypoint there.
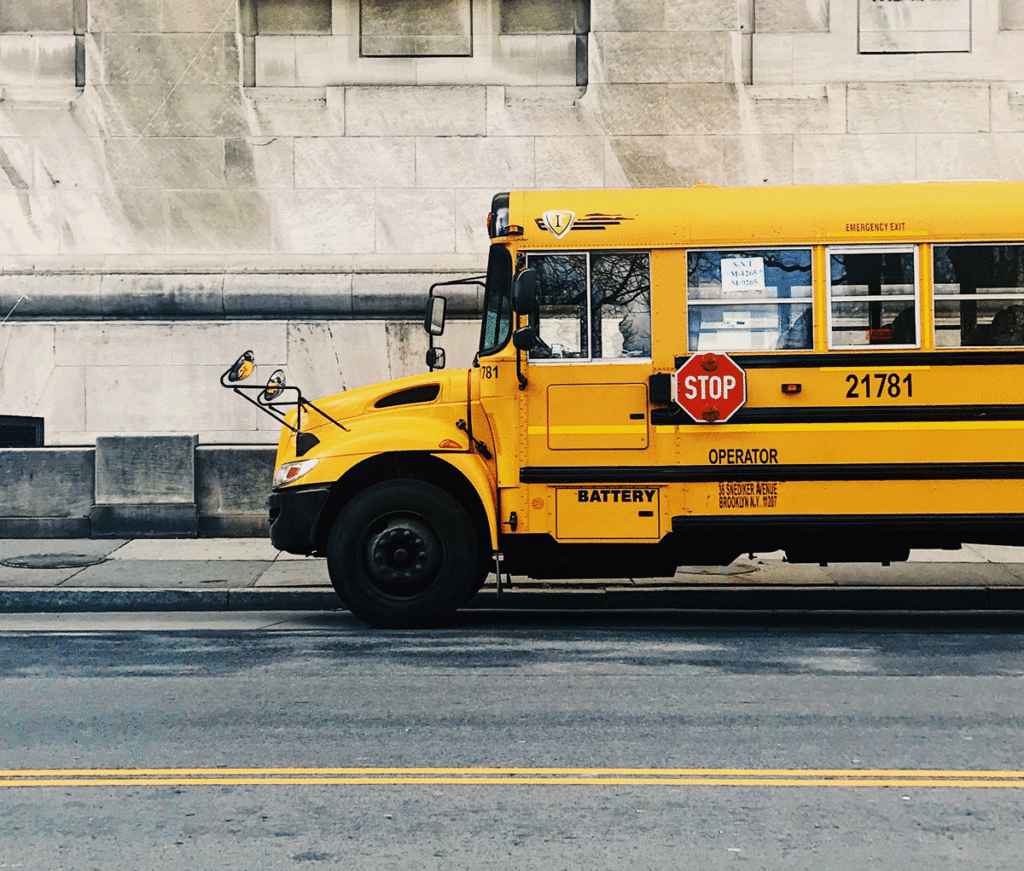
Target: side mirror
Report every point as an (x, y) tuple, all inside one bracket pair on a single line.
[(275, 387), (525, 339), (242, 368), (524, 292), (435, 359), (433, 321)]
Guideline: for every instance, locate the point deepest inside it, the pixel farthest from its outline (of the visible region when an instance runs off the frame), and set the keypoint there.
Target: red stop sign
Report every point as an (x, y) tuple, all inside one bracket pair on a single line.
[(710, 388)]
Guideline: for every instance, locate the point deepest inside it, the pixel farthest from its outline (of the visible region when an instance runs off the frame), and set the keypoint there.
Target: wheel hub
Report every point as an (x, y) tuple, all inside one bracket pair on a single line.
[(403, 557)]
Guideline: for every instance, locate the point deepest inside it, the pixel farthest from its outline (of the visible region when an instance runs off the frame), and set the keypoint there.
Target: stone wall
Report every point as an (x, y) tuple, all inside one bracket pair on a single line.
[(181, 182)]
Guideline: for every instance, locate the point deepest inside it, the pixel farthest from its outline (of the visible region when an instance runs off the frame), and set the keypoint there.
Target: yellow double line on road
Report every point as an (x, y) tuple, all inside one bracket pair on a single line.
[(824, 777)]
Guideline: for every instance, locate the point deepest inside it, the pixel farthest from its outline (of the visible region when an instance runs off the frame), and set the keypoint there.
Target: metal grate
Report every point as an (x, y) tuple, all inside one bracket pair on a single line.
[(21, 432)]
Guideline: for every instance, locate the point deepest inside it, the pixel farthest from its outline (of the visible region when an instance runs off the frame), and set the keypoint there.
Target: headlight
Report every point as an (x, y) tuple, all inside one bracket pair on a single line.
[(288, 473)]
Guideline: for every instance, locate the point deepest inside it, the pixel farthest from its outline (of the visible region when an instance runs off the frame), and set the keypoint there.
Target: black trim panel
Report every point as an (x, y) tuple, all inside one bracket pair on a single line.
[(795, 472), (675, 416), (888, 359), (691, 523)]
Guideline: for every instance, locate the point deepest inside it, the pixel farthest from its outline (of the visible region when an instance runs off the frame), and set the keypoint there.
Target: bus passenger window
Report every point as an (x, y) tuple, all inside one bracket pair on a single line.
[(979, 295), (756, 300), (562, 299), (620, 293), (593, 306), (873, 298)]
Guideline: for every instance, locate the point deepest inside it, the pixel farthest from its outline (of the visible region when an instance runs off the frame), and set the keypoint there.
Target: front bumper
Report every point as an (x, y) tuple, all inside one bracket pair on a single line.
[(294, 515)]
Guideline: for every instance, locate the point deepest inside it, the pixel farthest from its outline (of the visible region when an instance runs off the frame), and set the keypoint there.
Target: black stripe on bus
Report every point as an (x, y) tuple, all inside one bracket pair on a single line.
[(675, 416), (883, 359), (792, 472), (819, 522)]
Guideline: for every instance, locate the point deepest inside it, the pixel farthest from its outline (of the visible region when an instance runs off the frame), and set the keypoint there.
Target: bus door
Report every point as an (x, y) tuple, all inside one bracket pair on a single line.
[(586, 403)]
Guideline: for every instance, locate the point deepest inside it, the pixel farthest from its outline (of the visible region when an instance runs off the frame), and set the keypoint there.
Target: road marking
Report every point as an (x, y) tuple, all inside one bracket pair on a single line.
[(828, 777)]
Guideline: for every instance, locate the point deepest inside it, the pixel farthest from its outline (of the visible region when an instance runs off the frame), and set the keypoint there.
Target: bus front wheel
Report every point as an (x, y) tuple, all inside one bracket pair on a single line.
[(403, 554)]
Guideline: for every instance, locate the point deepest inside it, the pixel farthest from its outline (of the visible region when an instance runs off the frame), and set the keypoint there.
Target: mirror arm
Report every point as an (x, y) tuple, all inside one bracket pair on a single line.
[(519, 370)]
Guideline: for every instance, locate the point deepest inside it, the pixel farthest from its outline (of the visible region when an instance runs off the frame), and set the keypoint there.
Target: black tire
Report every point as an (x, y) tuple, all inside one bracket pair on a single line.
[(403, 554)]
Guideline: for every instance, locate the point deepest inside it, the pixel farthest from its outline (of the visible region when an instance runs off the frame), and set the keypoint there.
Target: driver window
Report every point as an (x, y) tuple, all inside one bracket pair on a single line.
[(593, 305)]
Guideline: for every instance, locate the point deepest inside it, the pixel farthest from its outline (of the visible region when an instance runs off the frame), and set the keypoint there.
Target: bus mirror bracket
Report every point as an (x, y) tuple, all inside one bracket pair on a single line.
[(523, 339)]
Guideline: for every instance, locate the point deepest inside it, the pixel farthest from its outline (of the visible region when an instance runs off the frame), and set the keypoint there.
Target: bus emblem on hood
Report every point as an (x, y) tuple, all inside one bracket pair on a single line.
[(559, 222)]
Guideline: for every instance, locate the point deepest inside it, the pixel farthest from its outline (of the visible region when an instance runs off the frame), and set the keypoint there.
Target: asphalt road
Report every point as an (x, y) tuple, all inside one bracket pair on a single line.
[(512, 740)]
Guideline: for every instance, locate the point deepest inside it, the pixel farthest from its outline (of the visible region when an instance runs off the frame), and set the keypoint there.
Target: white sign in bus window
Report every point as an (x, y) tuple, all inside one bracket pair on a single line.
[(742, 274)]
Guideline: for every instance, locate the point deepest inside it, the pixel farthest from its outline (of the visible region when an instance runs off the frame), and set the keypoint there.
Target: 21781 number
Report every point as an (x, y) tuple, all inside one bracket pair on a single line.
[(875, 385)]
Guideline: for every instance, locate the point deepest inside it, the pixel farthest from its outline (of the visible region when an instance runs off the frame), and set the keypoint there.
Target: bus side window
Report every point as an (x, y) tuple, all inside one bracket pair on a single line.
[(873, 298), (562, 300), (593, 305), (620, 293), (979, 295), (755, 300)]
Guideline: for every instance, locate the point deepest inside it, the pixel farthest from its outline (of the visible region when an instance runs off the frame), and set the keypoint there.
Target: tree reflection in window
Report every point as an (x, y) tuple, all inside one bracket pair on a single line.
[(614, 321)]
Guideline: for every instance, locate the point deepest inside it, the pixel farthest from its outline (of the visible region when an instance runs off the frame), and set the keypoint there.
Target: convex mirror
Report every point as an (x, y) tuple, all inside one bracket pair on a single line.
[(275, 386), (242, 368), (524, 292), (433, 321)]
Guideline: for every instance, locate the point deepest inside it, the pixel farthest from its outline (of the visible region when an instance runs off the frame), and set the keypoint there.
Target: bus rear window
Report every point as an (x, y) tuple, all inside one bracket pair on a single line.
[(749, 300), (979, 295)]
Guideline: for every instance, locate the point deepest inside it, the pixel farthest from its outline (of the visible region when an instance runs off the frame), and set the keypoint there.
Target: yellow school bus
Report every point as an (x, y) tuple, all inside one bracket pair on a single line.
[(676, 377)]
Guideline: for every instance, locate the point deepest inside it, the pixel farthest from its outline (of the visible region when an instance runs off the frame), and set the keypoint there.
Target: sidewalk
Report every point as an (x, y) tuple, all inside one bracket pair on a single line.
[(80, 575)]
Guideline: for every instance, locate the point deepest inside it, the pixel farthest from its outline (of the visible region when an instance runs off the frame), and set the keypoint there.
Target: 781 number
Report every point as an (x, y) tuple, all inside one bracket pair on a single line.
[(875, 385)]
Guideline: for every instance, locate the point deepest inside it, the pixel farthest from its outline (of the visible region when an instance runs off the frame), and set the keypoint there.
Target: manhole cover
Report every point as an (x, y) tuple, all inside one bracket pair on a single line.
[(717, 570), (52, 561)]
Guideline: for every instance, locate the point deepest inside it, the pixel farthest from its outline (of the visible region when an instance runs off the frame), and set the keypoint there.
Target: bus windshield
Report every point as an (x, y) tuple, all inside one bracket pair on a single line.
[(497, 321)]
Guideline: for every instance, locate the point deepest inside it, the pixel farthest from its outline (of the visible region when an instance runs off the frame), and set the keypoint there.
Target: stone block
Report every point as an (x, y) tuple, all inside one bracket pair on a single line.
[(49, 294), (173, 164), (407, 348), (122, 110), (556, 59), (443, 27), (283, 16), (202, 110), (416, 111), (326, 221), (140, 520), (471, 209), (630, 15), (30, 223), (320, 60), (26, 364), (232, 485), (131, 58), (325, 357), (496, 162), (125, 16), (303, 115), (46, 482), (162, 296), (791, 16), (539, 111), (17, 59), (98, 343), (16, 157), (663, 57), (200, 16), (918, 108), (415, 221), (1011, 15), (261, 162), (55, 60), (1007, 107), (668, 161), (219, 222), (569, 162), (37, 16), (683, 15), (275, 61), (146, 470), (860, 159), (112, 222), (404, 295), (361, 162), (772, 59), (757, 160), (970, 156), (287, 295), (628, 110)]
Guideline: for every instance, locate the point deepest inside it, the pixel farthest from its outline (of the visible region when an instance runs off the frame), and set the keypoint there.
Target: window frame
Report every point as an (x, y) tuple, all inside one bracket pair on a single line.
[(587, 252), (748, 250), (874, 249)]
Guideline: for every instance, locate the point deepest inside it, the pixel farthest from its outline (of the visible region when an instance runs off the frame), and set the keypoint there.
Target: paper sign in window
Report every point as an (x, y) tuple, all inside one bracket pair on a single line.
[(742, 273)]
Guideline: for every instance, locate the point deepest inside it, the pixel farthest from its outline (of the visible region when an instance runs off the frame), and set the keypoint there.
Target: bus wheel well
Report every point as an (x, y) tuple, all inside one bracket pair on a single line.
[(395, 466)]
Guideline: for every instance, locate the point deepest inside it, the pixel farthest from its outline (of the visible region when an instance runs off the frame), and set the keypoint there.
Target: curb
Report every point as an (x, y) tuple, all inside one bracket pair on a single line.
[(763, 599)]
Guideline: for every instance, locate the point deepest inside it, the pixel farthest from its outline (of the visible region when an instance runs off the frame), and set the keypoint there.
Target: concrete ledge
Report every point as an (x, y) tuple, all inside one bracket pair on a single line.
[(45, 527), (161, 520)]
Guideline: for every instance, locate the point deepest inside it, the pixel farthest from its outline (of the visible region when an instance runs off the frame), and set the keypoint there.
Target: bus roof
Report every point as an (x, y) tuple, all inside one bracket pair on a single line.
[(707, 215)]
